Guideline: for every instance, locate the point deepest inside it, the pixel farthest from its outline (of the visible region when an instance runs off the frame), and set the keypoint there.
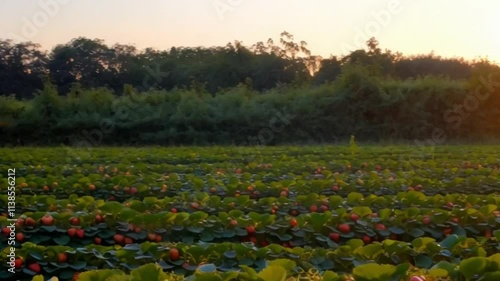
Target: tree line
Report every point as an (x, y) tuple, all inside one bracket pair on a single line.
[(85, 93)]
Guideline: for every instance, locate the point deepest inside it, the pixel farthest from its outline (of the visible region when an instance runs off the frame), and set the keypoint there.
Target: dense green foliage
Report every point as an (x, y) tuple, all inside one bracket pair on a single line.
[(88, 94), (330, 213)]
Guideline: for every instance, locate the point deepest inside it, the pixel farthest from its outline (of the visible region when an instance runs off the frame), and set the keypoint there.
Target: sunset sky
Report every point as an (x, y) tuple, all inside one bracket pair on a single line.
[(449, 28)]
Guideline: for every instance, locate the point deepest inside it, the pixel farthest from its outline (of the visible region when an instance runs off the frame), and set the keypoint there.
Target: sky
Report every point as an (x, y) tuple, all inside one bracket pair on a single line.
[(458, 28)]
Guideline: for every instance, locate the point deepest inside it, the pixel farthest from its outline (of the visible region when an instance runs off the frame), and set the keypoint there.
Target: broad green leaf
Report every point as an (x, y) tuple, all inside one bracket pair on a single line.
[(273, 273)]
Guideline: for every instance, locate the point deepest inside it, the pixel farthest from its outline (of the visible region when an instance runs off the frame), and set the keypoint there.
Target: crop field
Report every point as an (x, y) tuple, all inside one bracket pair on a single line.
[(375, 213)]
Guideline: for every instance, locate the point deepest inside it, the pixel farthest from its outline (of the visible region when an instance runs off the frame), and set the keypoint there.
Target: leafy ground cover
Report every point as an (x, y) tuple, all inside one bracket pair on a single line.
[(276, 213)]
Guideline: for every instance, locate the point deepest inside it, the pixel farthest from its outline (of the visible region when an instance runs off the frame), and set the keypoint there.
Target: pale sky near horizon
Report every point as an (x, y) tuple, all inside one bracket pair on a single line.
[(449, 28)]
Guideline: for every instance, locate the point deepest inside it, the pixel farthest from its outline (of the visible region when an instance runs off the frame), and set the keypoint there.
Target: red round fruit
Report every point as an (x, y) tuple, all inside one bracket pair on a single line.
[(250, 229), (344, 228), (293, 222), (151, 236), (335, 188), (195, 205), (426, 220), (62, 257), (174, 254), (118, 238), (354, 217), (47, 220), (367, 239), (234, 222), (173, 210), (74, 221), (35, 267), (97, 241), (323, 208), (72, 232), (18, 263), (158, 238), (80, 233), (380, 226), (20, 236), (6, 230), (334, 236), (128, 240), (313, 208)]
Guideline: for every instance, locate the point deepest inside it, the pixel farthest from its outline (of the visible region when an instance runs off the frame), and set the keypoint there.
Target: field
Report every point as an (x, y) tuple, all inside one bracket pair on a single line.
[(273, 214)]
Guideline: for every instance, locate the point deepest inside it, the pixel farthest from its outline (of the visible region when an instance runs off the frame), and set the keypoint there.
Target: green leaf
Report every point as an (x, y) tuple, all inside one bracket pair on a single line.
[(373, 272), (451, 241), (151, 272), (472, 266), (62, 240), (416, 232), (330, 276), (99, 275), (423, 261), (273, 273), (288, 265)]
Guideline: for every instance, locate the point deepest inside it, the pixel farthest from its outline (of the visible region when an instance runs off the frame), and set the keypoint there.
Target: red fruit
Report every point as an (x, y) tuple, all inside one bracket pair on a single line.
[(253, 240), (72, 232), (393, 236), (374, 215), (62, 257), (284, 194), (250, 229), (35, 267), (158, 238), (6, 230), (174, 254), (19, 263), (234, 222), (92, 187), (426, 220), (294, 212), (344, 228), (151, 236), (128, 240), (455, 220), (367, 239), (323, 208), (98, 218), (20, 223), (20, 236), (293, 222), (447, 231), (80, 233), (74, 221), (173, 210), (47, 220), (335, 188), (264, 243), (118, 238), (30, 222), (137, 229), (417, 278), (380, 226), (334, 236), (133, 190), (75, 276), (97, 241), (195, 205), (313, 208), (354, 217)]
